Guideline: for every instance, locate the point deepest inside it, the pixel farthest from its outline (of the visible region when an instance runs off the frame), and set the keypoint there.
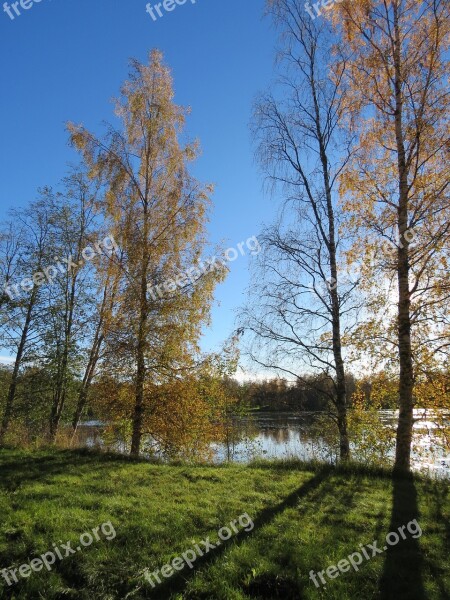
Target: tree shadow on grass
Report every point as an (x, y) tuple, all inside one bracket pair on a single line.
[(403, 565), (440, 496), (178, 583), (17, 472)]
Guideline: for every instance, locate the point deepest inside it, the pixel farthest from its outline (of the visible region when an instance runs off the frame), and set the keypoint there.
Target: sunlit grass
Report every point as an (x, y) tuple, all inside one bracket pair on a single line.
[(306, 517)]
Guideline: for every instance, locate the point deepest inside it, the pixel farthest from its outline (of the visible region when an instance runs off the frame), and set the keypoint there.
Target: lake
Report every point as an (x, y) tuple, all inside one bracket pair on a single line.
[(298, 435)]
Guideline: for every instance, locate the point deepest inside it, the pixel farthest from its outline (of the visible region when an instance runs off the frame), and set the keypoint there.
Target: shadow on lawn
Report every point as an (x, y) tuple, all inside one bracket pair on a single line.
[(266, 589), (17, 472), (441, 502), (403, 565)]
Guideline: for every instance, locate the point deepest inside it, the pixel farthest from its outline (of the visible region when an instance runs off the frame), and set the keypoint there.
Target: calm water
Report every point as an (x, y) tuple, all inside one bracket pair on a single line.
[(297, 435)]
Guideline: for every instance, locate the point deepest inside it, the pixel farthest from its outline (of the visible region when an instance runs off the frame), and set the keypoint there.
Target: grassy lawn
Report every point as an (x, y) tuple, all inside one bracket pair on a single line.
[(304, 519)]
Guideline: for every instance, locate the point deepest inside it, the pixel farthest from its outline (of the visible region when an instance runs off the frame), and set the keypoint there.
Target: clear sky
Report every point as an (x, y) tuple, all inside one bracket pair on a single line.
[(65, 59)]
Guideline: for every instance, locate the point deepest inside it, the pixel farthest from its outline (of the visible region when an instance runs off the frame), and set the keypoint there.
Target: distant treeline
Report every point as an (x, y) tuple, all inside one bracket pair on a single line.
[(310, 393), (306, 394), (36, 386)]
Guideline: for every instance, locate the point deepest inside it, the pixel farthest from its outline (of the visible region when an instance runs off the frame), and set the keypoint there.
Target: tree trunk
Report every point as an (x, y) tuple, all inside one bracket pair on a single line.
[(61, 382), (341, 384), (56, 413), (94, 355), (138, 407), (59, 400), (341, 405), (406, 383), (138, 416), (7, 414), (87, 380), (82, 400), (141, 372), (406, 402)]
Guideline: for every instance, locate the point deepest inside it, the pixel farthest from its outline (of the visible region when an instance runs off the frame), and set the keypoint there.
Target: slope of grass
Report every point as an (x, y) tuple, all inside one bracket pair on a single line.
[(305, 518)]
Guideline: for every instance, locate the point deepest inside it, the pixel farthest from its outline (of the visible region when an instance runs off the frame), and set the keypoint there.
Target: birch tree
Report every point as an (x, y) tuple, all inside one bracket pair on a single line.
[(397, 187), (303, 304), (157, 212), (23, 254)]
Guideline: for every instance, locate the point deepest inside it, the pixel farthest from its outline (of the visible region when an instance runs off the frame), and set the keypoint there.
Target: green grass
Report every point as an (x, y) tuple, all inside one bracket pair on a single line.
[(305, 516)]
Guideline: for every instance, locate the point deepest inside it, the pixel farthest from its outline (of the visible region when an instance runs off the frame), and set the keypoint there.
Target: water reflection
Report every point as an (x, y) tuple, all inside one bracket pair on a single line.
[(297, 435)]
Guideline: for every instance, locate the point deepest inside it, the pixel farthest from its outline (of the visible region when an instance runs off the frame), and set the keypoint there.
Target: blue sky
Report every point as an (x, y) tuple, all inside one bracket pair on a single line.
[(65, 59)]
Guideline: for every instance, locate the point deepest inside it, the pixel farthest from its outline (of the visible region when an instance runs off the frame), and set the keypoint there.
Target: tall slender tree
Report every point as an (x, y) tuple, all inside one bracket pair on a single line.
[(397, 186), (71, 294), (23, 253), (303, 304), (108, 279), (157, 212)]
